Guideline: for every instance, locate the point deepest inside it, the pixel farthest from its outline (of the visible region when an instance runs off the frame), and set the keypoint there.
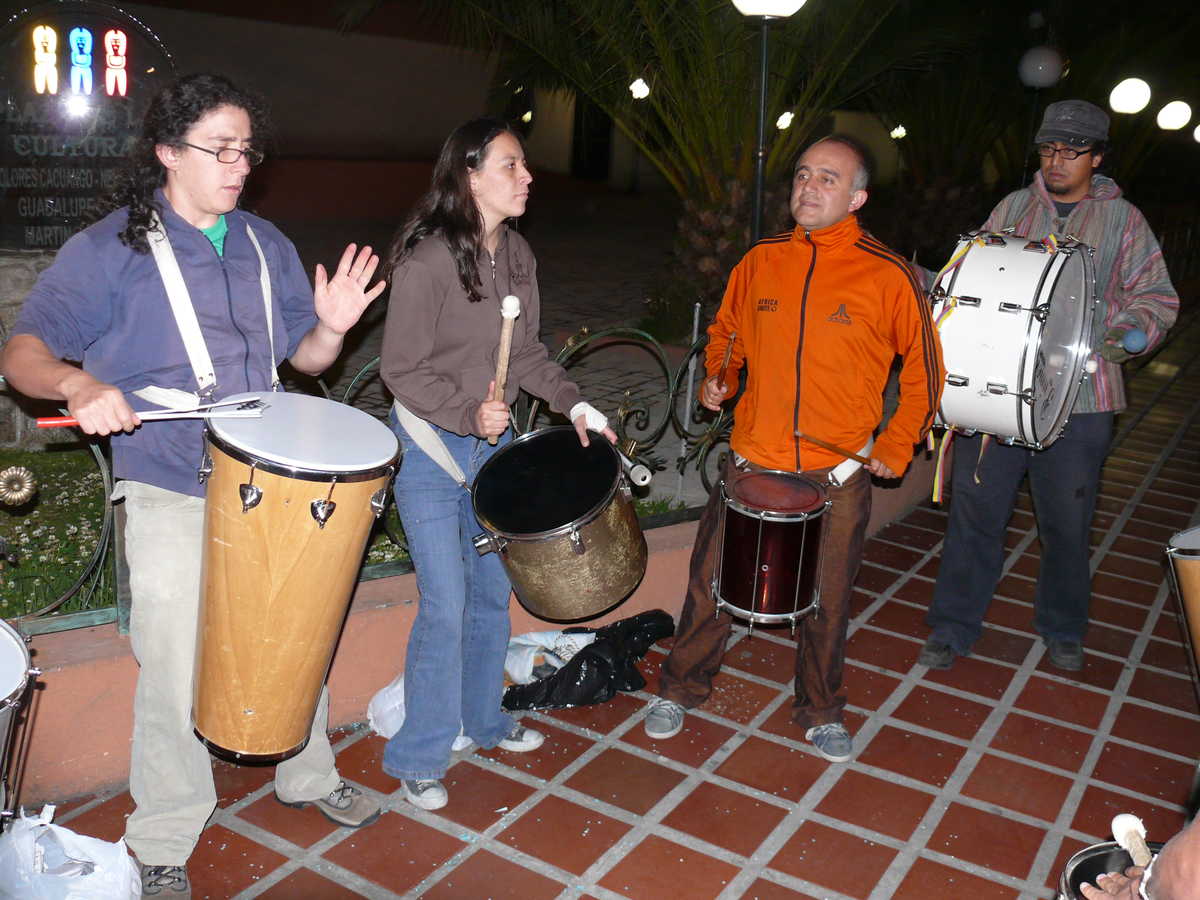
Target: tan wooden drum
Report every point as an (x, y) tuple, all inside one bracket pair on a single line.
[(291, 500), (1184, 552)]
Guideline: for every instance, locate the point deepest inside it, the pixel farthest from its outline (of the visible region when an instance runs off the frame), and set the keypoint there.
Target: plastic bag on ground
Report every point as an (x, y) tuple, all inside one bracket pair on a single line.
[(554, 647), (600, 669), (385, 713), (40, 861)]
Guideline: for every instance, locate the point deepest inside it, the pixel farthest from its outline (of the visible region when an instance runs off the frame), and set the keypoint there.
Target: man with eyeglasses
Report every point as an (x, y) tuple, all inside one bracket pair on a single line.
[(1068, 197), (111, 302)]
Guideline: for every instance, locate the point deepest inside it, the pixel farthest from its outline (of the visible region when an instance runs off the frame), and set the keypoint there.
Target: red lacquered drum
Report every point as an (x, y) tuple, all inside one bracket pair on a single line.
[(769, 546)]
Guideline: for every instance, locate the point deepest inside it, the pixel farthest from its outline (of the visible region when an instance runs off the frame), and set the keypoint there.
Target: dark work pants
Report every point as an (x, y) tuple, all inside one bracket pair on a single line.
[(1063, 480), (701, 634)]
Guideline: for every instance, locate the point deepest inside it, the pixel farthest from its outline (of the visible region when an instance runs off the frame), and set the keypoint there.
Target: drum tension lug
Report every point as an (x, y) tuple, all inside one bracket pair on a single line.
[(957, 380), (322, 509), (206, 466), (577, 542), (379, 501), (250, 494)]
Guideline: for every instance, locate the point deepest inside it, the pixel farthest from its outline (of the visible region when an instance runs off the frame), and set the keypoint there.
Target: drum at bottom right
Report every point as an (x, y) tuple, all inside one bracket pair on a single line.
[(1183, 550)]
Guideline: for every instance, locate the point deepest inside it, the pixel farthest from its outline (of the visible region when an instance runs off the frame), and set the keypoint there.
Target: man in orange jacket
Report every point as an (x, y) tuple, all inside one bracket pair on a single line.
[(817, 316)]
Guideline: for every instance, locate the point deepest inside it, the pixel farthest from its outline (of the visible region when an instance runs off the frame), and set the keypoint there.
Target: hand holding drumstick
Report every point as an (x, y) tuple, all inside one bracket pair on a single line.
[(492, 417), (715, 389)]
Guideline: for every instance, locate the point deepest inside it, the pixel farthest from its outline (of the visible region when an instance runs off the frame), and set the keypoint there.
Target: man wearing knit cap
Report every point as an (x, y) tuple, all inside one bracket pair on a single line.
[(1068, 198)]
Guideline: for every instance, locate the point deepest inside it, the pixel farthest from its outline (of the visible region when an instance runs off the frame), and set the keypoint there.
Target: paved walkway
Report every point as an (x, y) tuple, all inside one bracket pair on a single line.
[(979, 782)]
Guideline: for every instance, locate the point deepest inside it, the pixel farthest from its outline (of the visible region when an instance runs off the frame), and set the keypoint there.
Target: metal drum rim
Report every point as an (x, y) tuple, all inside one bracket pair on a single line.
[(14, 696), (575, 524), (272, 467), (772, 515)]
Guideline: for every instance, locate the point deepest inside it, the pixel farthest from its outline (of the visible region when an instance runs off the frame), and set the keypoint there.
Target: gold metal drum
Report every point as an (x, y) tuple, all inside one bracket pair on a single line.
[(561, 517), (291, 499)]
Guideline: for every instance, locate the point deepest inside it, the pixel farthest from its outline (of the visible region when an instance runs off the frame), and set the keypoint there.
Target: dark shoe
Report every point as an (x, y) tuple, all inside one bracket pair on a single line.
[(1065, 655), (937, 655), (165, 881), (832, 741), (345, 805)]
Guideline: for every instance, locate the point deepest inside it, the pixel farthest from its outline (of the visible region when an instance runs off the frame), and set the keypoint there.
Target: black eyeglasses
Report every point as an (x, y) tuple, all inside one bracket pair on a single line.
[(230, 155), (1046, 151)]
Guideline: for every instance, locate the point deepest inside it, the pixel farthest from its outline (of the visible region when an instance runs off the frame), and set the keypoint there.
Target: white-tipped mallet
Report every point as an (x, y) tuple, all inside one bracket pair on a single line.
[(1130, 833), (510, 308)]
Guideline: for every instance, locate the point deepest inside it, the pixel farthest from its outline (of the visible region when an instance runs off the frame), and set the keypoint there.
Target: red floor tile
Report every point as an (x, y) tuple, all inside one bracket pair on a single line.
[(1165, 655), (1114, 641), (303, 827), (660, 868), (479, 796), (726, 818), (772, 768), (1147, 773), (1170, 691), (930, 517), (564, 834), (1149, 531), (1137, 547), (978, 676), (234, 782), (105, 820), (833, 859), (225, 863), (1018, 787), (917, 591), (768, 890), (1014, 614), (902, 618), (924, 758), (891, 555), (928, 879), (987, 840), (865, 688), (1126, 589), (1097, 671), (1003, 645), (1114, 612), (1044, 742), (698, 741), (1014, 587), (1069, 848), (875, 579), (361, 763), (1056, 700), (906, 535), (883, 650), (1130, 567), (1028, 565), (560, 749), (1160, 730), (308, 884), (764, 658), (944, 712), (1165, 500), (485, 874), (1167, 627), (737, 699), (1099, 805), (602, 717), (396, 852), (625, 780), (870, 802)]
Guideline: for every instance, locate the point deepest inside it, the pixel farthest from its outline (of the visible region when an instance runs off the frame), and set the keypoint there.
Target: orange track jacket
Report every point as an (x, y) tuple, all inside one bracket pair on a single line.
[(819, 318)]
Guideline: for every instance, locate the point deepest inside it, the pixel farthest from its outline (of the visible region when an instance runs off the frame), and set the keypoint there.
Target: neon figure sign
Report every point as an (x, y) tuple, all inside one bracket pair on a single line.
[(79, 42)]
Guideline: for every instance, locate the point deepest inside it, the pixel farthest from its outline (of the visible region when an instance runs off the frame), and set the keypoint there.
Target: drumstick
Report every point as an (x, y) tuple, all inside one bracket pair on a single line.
[(250, 409), (510, 308), (722, 377), (1130, 833), (833, 447)]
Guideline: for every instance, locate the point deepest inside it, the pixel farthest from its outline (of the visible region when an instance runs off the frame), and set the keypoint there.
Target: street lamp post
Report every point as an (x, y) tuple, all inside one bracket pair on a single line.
[(1040, 67), (765, 11)]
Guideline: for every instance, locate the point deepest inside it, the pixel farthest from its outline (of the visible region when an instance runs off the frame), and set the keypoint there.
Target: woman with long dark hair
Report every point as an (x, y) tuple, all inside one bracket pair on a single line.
[(451, 264)]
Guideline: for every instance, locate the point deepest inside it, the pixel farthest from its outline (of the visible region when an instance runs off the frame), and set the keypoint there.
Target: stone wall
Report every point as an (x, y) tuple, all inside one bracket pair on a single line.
[(19, 269)]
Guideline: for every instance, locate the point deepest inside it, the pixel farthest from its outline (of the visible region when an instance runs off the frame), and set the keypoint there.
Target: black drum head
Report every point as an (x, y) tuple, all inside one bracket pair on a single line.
[(543, 481)]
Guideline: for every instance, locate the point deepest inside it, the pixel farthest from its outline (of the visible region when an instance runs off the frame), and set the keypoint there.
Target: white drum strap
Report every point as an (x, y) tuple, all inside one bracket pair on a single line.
[(185, 312), (264, 278), (181, 306), (841, 473), (427, 439)]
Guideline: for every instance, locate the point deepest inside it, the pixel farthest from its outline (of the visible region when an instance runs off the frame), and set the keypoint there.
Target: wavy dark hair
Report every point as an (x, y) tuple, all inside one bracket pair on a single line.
[(172, 112), (448, 207)]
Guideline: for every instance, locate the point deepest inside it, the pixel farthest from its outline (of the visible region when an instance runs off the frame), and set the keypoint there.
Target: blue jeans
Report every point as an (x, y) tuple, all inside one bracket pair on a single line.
[(1063, 480), (454, 668)]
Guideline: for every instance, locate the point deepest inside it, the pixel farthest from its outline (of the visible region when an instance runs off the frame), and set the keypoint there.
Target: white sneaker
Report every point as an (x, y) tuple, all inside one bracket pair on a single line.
[(522, 739), (427, 794), (665, 719)]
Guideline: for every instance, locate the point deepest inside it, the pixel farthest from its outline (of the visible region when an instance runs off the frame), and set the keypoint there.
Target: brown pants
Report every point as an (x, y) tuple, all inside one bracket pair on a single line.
[(701, 633)]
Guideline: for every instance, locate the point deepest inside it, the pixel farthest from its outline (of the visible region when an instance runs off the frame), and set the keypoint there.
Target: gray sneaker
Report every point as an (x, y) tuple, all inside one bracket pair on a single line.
[(425, 793), (665, 719), (165, 881), (832, 741), (937, 655), (1065, 654)]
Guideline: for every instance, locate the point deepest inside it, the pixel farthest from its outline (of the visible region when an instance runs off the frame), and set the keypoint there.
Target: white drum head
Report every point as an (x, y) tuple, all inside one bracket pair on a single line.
[(1186, 540), (304, 432), (14, 664)]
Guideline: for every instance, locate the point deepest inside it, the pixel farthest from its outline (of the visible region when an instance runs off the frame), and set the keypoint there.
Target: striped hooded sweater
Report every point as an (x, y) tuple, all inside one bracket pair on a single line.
[(819, 318), (1131, 277)]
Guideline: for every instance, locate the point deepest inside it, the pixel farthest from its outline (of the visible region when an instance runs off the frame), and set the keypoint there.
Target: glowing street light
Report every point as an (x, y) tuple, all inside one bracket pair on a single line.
[(639, 89), (1196, 134), (898, 132), (764, 11), (1174, 115), (1130, 96)]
